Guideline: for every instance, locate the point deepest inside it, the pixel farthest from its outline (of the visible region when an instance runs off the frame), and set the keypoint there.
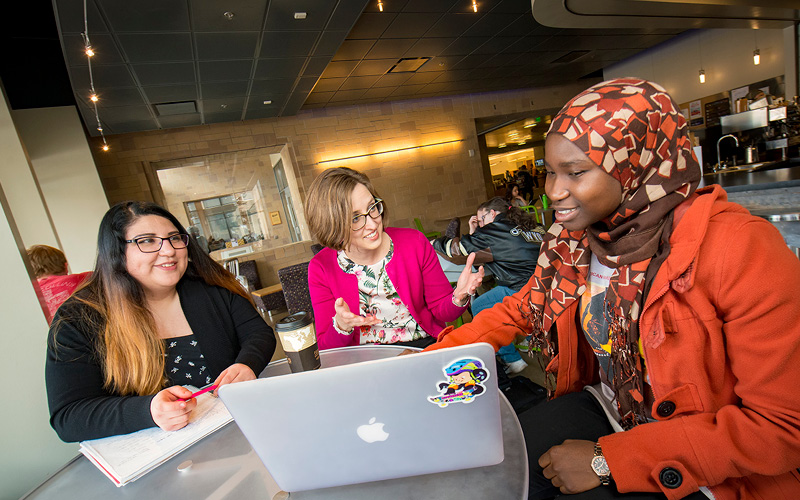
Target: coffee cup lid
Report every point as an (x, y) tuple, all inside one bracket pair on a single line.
[(293, 321)]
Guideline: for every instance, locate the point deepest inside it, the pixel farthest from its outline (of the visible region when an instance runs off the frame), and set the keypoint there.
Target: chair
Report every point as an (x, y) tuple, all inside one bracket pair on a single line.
[(429, 234), (535, 209), (294, 280), (316, 248)]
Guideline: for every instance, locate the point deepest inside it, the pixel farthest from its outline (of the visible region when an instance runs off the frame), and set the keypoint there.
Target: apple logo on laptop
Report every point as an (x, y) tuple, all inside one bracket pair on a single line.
[(371, 432)]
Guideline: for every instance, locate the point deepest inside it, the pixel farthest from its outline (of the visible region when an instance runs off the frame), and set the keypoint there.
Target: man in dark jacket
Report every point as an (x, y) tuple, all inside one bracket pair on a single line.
[(506, 242)]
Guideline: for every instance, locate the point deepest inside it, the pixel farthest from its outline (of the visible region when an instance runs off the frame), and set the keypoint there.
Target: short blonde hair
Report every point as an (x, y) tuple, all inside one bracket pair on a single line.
[(47, 261), (328, 209)]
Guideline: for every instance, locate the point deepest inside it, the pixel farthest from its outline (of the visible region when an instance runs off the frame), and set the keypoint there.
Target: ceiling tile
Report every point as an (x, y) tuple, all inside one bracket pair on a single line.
[(279, 68), (347, 95), (305, 84), (171, 93), (148, 15), (156, 47), (491, 24), (339, 69), (378, 92), (523, 25), (224, 89), (265, 112), (329, 43), (105, 50), (222, 117), (164, 74), (495, 45), (374, 67), (393, 79), (329, 84), (69, 16), (452, 25), (319, 97), (104, 76), (346, 14), (440, 64), (464, 45), (515, 6), (353, 50), (281, 15), (227, 105), (129, 126), (429, 47), (429, 6), (392, 48), (288, 43), (179, 121), (217, 46), (407, 90), (277, 86), (426, 77), (316, 65), (126, 113), (359, 82), (410, 25), (371, 25), (257, 102), (248, 15), (221, 71)]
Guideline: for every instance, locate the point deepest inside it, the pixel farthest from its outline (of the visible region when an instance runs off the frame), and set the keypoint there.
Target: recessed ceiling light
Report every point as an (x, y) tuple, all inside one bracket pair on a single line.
[(228, 15), (300, 15), (267, 102), (223, 106)]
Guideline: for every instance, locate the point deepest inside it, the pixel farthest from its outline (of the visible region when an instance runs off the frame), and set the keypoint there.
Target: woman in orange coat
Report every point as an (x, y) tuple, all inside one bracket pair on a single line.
[(675, 310)]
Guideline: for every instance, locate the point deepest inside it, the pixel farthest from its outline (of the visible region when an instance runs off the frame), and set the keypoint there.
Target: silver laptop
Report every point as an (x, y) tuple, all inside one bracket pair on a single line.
[(384, 419)]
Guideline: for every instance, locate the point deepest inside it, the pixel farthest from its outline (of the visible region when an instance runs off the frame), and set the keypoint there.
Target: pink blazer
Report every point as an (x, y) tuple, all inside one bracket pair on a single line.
[(415, 273)]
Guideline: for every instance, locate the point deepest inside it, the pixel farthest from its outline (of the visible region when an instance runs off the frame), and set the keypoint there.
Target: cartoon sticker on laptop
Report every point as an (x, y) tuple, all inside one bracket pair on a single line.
[(463, 384)]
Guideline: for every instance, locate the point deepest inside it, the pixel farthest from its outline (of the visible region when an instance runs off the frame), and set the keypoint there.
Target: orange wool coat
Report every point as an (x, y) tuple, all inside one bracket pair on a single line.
[(720, 331)]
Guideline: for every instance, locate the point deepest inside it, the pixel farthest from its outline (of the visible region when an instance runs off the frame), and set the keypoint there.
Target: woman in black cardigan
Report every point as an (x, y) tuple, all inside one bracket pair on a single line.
[(157, 313)]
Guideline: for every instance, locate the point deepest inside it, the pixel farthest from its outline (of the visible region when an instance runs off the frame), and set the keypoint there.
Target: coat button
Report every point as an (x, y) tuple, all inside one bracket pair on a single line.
[(670, 478), (665, 408)]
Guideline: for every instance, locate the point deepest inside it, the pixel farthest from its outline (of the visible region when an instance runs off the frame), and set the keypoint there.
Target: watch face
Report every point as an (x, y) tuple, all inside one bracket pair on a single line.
[(600, 466)]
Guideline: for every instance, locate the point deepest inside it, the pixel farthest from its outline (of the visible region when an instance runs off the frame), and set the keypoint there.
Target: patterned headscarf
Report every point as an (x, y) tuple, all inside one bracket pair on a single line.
[(634, 131)]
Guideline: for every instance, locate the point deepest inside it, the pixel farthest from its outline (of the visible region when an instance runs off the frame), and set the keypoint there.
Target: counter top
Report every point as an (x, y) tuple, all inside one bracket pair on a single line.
[(786, 175)]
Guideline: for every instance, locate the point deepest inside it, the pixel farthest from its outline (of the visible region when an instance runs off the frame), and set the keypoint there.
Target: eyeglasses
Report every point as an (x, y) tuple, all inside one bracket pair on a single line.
[(152, 244), (375, 210), (482, 217)]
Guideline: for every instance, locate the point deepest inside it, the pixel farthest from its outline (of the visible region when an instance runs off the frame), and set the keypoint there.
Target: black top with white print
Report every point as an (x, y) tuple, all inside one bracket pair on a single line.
[(184, 363)]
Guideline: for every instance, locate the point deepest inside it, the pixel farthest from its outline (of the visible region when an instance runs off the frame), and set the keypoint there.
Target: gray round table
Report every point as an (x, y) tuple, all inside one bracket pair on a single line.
[(225, 466)]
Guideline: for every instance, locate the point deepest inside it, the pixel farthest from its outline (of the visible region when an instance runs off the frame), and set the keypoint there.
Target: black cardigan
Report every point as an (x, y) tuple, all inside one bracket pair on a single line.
[(227, 328)]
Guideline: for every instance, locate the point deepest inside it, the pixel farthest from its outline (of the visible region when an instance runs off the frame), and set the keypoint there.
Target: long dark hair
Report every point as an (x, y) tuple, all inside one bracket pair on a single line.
[(131, 351), (524, 220)]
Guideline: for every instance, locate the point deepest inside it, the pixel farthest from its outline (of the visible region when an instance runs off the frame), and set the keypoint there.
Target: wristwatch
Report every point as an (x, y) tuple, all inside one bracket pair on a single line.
[(600, 466)]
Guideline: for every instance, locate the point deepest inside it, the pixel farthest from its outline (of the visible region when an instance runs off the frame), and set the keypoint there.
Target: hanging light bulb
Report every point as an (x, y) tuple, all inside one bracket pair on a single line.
[(89, 51), (474, 6), (380, 5), (94, 98), (702, 76), (105, 147), (756, 57)]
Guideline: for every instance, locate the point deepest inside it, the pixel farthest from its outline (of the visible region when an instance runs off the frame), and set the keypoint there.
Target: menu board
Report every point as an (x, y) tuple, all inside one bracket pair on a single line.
[(715, 110)]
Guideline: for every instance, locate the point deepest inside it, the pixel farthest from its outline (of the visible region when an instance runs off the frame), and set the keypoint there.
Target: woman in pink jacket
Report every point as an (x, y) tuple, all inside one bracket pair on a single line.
[(374, 284), (670, 317)]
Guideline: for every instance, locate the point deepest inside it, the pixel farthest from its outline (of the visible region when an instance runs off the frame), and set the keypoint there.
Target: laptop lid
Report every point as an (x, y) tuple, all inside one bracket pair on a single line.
[(396, 417)]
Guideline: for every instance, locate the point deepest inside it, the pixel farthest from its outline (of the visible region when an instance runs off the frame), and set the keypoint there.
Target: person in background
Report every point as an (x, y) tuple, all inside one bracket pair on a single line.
[(51, 270), (512, 196), (156, 313), (670, 316), (506, 241), (371, 283), (199, 238), (525, 182)]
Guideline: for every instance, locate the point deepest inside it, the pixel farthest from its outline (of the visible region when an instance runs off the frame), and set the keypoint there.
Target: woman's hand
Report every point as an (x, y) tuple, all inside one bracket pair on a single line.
[(169, 410), (473, 224), (237, 372), (569, 466), (468, 282), (347, 320)]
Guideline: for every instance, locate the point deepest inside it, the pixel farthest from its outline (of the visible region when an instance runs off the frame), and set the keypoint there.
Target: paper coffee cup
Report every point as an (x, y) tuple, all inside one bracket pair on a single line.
[(299, 340)]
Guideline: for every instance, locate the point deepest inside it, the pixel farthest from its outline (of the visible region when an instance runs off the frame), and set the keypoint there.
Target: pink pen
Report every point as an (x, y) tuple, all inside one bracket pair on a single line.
[(201, 391)]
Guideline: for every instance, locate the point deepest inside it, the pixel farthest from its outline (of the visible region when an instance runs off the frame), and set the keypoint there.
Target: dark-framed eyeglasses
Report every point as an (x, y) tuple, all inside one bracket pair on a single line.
[(152, 244), (482, 218), (374, 211)]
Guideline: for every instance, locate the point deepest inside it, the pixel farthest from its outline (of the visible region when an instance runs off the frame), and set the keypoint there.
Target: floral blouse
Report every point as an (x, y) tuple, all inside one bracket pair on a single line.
[(378, 297)]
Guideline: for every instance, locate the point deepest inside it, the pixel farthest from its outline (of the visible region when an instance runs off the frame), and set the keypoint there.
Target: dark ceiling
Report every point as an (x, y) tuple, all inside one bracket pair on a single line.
[(265, 63)]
